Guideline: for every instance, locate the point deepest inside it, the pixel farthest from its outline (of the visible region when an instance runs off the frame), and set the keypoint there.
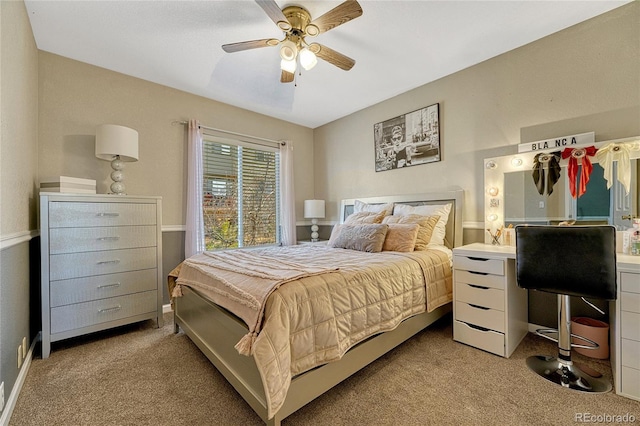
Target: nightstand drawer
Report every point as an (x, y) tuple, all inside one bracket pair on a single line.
[(630, 325), (629, 282), (84, 289), (483, 317), (74, 240), (481, 279), (487, 340), (477, 264), (630, 381), (69, 317), (76, 265), (630, 302), (482, 296), (75, 214), (631, 353)]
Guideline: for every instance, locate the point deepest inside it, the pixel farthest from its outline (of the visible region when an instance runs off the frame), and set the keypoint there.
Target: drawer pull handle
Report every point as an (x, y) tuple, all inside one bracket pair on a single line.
[(108, 238), (107, 310), (107, 214), (478, 307), (108, 262), (478, 259), (478, 286), (100, 287), (478, 273), (477, 327)]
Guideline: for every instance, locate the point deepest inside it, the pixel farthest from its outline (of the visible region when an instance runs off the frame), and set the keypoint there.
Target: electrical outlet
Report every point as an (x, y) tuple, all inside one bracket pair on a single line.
[(19, 356), (1, 396), (24, 347)]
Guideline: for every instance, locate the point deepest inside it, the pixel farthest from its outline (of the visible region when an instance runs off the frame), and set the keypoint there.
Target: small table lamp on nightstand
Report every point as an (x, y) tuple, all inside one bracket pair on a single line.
[(116, 144), (314, 210)]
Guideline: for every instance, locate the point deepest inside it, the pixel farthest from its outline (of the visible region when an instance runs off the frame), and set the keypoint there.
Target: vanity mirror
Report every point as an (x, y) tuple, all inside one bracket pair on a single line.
[(514, 194)]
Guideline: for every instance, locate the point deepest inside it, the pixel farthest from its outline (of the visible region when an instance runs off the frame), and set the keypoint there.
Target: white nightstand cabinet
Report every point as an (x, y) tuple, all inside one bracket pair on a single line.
[(101, 263), (626, 330), (489, 310)]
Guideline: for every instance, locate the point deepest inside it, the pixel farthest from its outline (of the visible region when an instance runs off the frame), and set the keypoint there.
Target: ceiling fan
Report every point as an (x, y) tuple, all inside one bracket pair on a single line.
[(296, 23)]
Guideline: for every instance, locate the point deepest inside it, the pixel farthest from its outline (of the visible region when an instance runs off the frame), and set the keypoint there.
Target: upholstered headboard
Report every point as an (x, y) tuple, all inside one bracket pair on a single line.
[(455, 196)]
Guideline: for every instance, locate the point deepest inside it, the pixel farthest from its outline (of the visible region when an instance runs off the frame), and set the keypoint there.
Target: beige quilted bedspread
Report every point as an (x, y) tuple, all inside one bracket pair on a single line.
[(317, 317)]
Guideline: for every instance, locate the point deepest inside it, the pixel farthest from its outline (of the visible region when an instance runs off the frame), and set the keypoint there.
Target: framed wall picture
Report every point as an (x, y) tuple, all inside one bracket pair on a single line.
[(408, 140)]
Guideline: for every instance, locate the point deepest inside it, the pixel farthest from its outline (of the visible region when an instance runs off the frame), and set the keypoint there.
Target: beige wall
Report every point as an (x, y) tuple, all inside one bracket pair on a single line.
[(76, 97), (19, 112), (585, 78)]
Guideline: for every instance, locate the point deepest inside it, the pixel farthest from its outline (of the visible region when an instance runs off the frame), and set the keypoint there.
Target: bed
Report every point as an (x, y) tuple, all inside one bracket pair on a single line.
[(276, 380)]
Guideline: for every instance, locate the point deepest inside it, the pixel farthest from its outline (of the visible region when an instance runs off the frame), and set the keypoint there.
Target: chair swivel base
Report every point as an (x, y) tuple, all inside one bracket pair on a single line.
[(567, 374)]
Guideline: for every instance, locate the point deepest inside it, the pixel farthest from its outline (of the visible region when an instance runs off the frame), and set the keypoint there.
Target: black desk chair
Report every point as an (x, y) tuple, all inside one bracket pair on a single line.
[(568, 261)]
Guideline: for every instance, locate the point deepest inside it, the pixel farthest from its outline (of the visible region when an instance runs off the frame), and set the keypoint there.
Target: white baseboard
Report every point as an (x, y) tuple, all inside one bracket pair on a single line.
[(166, 308), (15, 392)]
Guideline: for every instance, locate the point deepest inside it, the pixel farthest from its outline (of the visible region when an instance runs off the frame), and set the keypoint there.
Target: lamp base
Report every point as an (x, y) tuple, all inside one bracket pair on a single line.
[(117, 176), (314, 230)]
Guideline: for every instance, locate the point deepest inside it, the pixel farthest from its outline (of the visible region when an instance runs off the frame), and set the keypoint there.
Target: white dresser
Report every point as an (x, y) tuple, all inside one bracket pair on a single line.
[(625, 316), (489, 310), (101, 263)]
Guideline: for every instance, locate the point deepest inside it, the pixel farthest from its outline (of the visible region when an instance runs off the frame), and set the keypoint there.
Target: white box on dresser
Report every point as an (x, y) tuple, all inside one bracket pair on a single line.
[(101, 259), (625, 318), (490, 311)]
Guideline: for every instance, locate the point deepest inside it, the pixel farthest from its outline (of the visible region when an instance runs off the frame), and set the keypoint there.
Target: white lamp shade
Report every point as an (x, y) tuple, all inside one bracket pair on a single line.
[(313, 209), (112, 140), (308, 59)]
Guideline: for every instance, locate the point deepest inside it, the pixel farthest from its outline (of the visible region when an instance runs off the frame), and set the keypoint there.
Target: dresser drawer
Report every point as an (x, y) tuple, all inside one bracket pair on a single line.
[(75, 214), (631, 353), (70, 317), (483, 317), (478, 295), (630, 302), (479, 278), (70, 240), (76, 265), (478, 264), (630, 282), (630, 381), (487, 340), (67, 292), (630, 325)]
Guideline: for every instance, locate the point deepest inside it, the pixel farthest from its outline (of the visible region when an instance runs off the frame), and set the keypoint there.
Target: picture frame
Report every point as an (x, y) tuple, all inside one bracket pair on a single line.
[(408, 140)]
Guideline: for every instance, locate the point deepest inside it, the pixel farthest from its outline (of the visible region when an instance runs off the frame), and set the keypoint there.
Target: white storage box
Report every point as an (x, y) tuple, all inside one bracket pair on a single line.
[(68, 184)]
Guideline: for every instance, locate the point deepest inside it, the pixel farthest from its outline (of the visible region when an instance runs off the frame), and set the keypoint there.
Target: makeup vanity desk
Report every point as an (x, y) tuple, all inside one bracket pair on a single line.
[(497, 321)]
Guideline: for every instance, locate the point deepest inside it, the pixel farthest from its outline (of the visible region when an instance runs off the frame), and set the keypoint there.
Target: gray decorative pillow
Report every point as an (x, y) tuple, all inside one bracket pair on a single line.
[(369, 237)]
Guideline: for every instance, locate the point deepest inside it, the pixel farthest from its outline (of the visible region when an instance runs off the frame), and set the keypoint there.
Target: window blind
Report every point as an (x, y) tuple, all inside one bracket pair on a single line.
[(240, 195)]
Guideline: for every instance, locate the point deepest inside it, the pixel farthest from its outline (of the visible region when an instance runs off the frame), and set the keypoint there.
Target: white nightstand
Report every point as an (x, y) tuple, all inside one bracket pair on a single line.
[(489, 310), (319, 242)]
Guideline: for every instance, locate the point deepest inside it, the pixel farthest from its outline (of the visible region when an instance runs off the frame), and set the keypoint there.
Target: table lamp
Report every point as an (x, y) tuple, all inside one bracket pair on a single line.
[(314, 209), (116, 144)]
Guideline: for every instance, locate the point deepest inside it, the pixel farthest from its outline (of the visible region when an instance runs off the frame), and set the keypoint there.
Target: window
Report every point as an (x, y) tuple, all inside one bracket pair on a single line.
[(240, 195)]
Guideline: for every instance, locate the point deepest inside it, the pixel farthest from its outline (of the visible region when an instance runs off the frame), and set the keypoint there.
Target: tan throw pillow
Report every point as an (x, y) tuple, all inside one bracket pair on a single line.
[(426, 223), (401, 237), (368, 237), (441, 210), (364, 217)]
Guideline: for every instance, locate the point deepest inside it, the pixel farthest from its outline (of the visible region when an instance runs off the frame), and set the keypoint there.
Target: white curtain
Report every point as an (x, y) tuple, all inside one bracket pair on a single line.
[(287, 195), (194, 238)]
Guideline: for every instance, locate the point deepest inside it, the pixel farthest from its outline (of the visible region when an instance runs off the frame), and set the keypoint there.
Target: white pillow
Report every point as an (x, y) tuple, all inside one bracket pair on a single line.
[(361, 206), (442, 210)]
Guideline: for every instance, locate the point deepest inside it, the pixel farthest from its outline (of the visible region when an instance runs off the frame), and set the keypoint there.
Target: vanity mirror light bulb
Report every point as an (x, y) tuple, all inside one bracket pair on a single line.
[(492, 217), (493, 191), (516, 161)]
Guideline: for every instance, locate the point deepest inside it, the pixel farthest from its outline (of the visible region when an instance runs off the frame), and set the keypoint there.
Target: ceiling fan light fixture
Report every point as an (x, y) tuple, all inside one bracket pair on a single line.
[(308, 59), (289, 66), (288, 50)]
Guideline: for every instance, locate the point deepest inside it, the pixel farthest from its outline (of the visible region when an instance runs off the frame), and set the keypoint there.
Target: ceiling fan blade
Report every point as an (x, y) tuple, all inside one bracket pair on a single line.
[(331, 56), (339, 15), (274, 12), (286, 77), (246, 45)]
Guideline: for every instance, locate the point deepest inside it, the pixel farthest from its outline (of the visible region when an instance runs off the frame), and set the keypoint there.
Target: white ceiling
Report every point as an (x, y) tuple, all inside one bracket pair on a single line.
[(397, 45)]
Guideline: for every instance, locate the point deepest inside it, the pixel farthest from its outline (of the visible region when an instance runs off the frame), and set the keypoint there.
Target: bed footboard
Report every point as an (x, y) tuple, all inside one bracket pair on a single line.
[(215, 332)]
